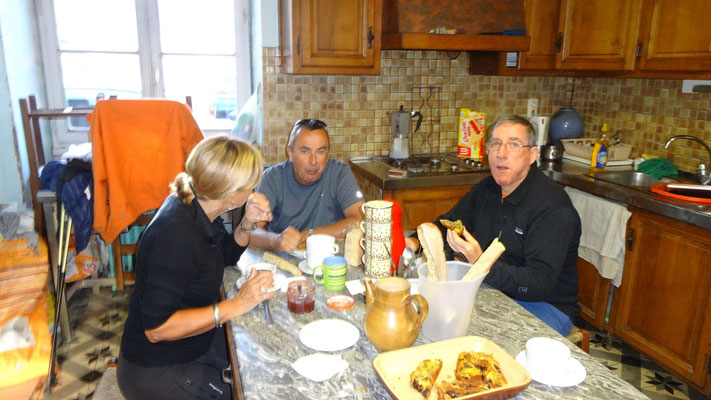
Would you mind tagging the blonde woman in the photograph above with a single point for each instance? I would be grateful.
(171, 347)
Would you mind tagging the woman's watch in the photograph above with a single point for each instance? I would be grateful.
(311, 231)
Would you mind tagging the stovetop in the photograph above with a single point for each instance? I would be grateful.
(435, 164)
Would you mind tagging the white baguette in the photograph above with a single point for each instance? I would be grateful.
(281, 263)
(433, 247)
(485, 261)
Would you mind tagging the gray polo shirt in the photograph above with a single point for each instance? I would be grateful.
(308, 206)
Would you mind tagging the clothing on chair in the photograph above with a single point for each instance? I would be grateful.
(139, 146)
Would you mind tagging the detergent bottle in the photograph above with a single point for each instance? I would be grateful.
(598, 160)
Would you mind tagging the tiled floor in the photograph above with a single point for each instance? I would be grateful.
(98, 322)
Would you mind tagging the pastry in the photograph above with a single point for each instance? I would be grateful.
(281, 263)
(425, 375)
(486, 260)
(456, 226)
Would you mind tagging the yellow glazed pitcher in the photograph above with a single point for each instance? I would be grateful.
(392, 317)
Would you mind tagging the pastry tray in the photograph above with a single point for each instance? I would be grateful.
(394, 367)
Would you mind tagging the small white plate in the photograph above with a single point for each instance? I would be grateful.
(280, 283)
(329, 335)
(575, 373)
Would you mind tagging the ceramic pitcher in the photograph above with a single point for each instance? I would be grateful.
(393, 317)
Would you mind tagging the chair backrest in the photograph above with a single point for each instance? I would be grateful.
(119, 250)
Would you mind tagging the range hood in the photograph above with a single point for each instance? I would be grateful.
(480, 25)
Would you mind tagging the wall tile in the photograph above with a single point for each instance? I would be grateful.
(648, 111)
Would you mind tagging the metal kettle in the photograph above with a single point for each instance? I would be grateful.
(400, 121)
(400, 127)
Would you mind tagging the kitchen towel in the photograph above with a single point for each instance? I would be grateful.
(604, 224)
(657, 168)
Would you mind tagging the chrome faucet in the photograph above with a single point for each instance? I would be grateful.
(702, 172)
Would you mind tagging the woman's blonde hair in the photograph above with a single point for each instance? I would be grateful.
(216, 167)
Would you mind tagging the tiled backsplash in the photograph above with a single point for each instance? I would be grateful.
(649, 111)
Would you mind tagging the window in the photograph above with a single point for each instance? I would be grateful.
(146, 48)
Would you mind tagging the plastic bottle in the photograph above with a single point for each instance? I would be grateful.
(598, 160)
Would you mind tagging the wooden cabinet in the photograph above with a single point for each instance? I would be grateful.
(663, 307)
(598, 35)
(675, 35)
(425, 204)
(594, 292)
(617, 38)
(330, 36)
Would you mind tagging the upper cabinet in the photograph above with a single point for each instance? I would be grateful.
(675, 36)
(330, 36)
(599, 35)
(621, 38)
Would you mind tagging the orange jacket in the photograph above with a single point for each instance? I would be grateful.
(138, 147)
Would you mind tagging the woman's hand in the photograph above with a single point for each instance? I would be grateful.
(253, 291)
(257, 210)
(466, 244)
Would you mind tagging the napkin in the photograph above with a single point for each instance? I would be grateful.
(320, 366)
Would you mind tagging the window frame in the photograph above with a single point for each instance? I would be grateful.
(149, 55)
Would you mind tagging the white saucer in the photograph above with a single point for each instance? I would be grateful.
(575, 373)
(304, 267)
(329, 335)
(280, 282)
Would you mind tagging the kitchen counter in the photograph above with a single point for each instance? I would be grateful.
(565, 172)
(265, 352)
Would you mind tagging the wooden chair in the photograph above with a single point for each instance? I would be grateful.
(119, 250)
(581, 338)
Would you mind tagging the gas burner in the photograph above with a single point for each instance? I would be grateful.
(415, 168)
(435, 161)
(397, 163)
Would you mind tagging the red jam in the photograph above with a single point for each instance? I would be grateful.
(301, 296)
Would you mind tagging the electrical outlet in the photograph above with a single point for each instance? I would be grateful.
(532, 108)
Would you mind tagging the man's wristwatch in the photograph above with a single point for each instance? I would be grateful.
(311, 231)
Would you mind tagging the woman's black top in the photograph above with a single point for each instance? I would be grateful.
(180, 262)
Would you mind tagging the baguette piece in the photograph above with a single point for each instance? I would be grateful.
(281, 263)
(485, 261)
(433, 246)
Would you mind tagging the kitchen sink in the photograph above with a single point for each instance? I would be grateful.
(629, 178)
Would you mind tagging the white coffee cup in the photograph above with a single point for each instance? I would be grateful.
(547, 356)
(319, 247)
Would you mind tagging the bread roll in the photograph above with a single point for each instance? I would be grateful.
(281, 263)
(433, 247)
(485, 261)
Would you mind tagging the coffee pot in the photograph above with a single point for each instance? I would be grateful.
(400, 127)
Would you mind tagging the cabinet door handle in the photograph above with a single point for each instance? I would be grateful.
(371, 37)
(298, 46)
(630, 240)
(559, 42)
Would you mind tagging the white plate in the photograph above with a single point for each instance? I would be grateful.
(329, 335)
(575, 373)
(280, 283)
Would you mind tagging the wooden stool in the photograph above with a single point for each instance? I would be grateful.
(581, 338)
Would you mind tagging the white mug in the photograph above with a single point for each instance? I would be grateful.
(547, 356)
(319, 247)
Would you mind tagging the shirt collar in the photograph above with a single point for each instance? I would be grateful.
(517, 196)
(213, 231)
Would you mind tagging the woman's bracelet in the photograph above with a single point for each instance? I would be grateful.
(216, 315)
(241, 227)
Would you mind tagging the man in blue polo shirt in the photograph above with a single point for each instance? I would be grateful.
(308, 193)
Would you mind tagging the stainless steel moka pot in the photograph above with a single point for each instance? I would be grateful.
(400, 127)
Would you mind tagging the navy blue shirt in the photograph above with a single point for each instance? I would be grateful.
(180, 263)
(541, 231)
